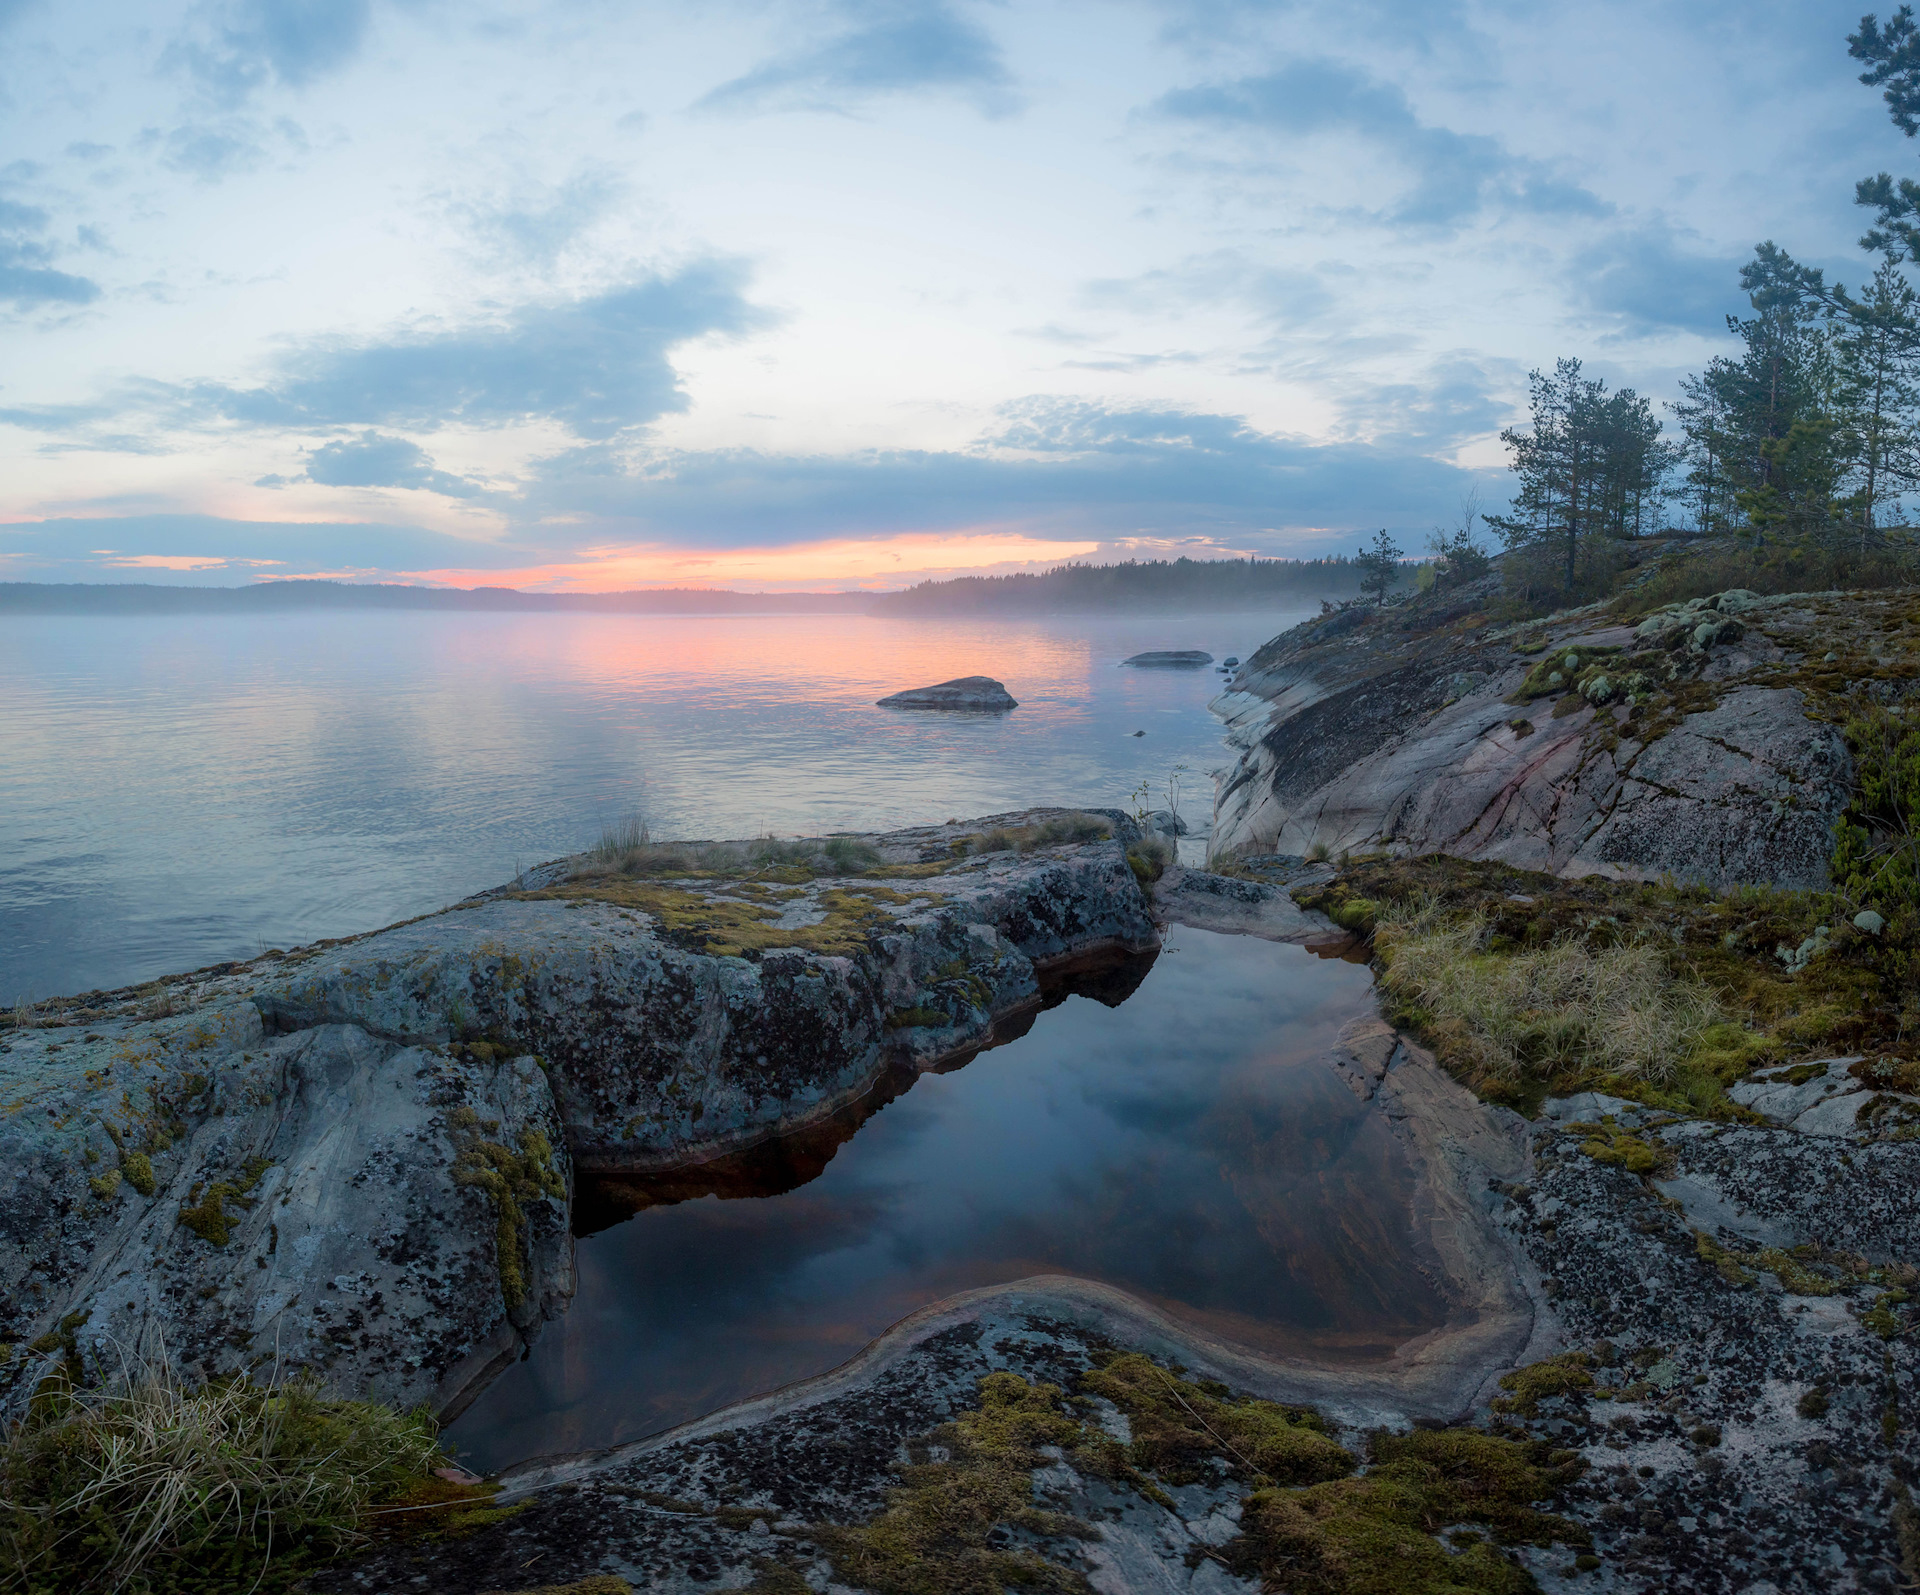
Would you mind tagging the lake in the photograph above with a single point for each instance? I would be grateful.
(180, 790)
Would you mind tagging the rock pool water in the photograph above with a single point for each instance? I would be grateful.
(1190, 1145)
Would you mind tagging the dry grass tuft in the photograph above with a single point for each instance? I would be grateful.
(151, 1485)
(1565, 1006)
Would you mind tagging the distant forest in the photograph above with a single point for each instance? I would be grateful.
(1145, 585)
(1154, 584)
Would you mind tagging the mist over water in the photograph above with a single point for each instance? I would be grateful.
(175, 791)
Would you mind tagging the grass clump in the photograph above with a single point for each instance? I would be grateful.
(1768, 569)
(1187, 1432)
(154, 1488)
(1061, 830)
(1149, 857)
(1617, 1009)
(951, 1526)
(1377, 1534)
(1526, 984)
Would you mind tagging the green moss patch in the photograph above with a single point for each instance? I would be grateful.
(510, 1178)
(735, 922)
(945, 1529)
(1378, 1534)
(1570, 1373)
(1186, 1432)
(205, 1212)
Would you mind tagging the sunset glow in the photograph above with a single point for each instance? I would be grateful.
(840, 563)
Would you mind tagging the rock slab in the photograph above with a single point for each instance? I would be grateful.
(963, 692)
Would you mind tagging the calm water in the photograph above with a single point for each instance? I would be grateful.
(179, 790)
(1190, 1146)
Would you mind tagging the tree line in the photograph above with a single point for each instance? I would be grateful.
(1803, 444)
(1133, 584)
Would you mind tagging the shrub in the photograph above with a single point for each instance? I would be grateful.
(1876, 856)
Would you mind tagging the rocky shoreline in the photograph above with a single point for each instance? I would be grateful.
(1689, 1331)
(358, 1158)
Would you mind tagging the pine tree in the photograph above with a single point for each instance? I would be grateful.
(1379, 565)
(1592, 466)
(1877, 358)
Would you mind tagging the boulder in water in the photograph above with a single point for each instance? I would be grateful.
(1171, 659)
(963, 692)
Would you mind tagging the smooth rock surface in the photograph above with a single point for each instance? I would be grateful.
(1354, 734)
(963, 692)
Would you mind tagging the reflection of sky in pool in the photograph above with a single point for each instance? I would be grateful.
(1190, 1146)
(180, 790)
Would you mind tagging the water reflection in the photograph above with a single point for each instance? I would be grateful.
(1191, 1147)
(180, 790)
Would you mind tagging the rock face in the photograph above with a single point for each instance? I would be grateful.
(1171, 659)
(1683, 746)
(359, 1158)
(963, 692)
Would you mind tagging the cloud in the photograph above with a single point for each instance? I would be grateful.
(1459, 398)
(1643, 280)
(374, 459)
(1283, 295)
(1453, 175)
(241, 46)
(202, 548)
(596, 365)
(208, 150)
(1051, 466)
(27, 280)
(536, 227)
(893, 45)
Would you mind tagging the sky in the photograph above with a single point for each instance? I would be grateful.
(584, 295)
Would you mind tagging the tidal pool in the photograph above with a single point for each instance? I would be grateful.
(1188, 1144)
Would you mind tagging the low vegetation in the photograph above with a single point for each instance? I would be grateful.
(1525, 984)
(1059, 831)
(628, 850)
(1618, 1007)
(154, 1487)
(1424, 1514)
(964, 1502)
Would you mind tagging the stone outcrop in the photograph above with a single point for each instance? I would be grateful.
(359, 1158)
(963, 692)
(1170, 659)
(1699, 743)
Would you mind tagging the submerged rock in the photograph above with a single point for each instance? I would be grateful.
(359, 1158)
(1171, 659)
(963, 692)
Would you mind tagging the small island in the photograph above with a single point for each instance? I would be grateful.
(963, 692)
(1171, 659)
